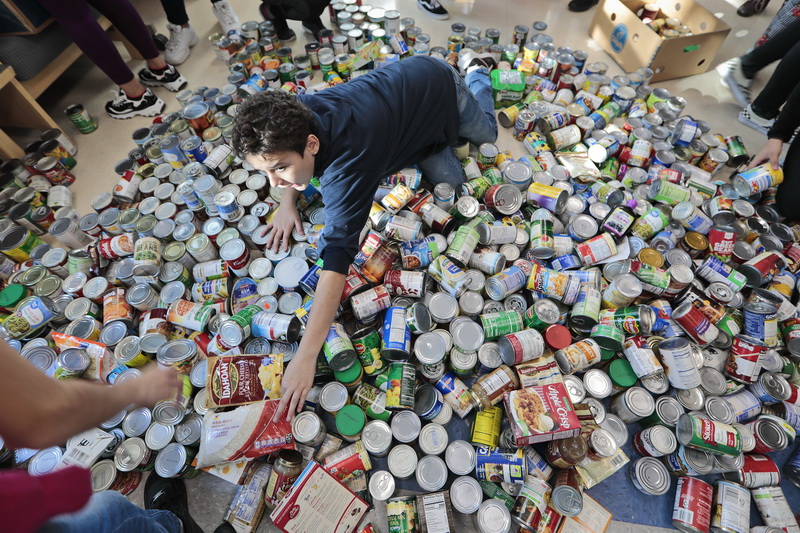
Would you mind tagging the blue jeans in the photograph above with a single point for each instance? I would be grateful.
(478, 124)
(111, 512)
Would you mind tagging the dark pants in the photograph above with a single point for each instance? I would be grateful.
(788, 198)
(784, 46)
(79, 23)
(312, 11)
(176, 11)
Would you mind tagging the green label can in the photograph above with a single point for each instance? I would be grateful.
(368, 349)
(502, 323)
(402, 514)
(401, 386)
(708, 435)
(81, 118)
(372, 400)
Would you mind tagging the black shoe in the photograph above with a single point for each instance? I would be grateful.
(473, 59)
(225, 528)
(581, 5)
(168, 77)
(752, 7)
(123, 106)
(313, 27)
(434, 9)
(169, 495)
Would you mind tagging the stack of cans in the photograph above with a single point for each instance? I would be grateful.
(613, 276)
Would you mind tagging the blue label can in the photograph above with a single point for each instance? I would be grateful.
(761, 322)
(310, 279)
(396, 337)
(499, 466)
(194, 149)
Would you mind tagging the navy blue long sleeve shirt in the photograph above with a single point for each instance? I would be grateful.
(369, 128)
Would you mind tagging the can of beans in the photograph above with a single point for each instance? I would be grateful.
(190, 315)
(744, 363)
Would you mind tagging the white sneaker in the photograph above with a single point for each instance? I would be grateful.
(226, 16)
(748, 117)
(732, 76)
(471, 60)
(180, 41)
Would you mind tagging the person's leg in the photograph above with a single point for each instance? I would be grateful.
(276, 14)
(783, 81)
(443, 167)
(475, 108)
(127, 20)
(111, 512)
(176, 12)
(773, 50)
(788, 198)
(313, 23)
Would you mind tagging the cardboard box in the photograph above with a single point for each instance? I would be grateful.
(541, 413)
(632, 44)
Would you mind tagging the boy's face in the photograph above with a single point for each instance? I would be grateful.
(288, 169)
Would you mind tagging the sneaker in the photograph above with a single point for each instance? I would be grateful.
(226, 16)
(123, 106)
(752, 7)
(748, 117)
(579, 6)
(287, 35)
(434, 9)
(732, 76)
(169, 77)
(170, 495)
(313, 27)
(471, 60)
(180, 41)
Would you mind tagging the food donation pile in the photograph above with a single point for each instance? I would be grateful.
(624, 279)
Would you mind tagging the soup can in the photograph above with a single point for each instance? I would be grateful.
(691, 511)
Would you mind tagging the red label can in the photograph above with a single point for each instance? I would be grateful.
(692, 509)
(720, 242)
(758, 471)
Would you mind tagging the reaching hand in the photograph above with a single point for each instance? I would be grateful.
(286, 219)
(770, 152)
(155, 384)
(297, 380)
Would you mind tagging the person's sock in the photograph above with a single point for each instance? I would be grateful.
(136, 97)
(162, 69)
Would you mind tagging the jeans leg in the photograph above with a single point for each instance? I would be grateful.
(475, 108)
(773, 50)
(111, 512)
(443, 167)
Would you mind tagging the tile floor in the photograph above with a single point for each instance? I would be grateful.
(85, 84)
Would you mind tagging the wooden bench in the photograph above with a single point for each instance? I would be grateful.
(18, 105)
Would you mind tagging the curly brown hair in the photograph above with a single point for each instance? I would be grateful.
(271, 122)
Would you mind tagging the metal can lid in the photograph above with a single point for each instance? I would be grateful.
(350, 420)
(444, 416)
(137, 421)
(232, 250)
(470, 302)
(114, 421)
(130, 454)
(770, 431)
(168, 412)
(376, 436)
(775, 385)
(198, 373)
(74, 359)
(663, 439)
(127, 349)
(650, 476)
(691, 399)
(402, 461)
(584, 226)
(199, 403)
(575, 388)
(466, 494)
(103, 473)
(460, 457)
(433, 439)
(171, 460)
(112, 334)
(189, 431)
(656, 384)
(597, 408)
(489, 355)
(431, 473)
(603, 442)
(669, 410)
(77, 308)
(176, 351)
(289, 272)
(443, 307)
(463, 361)
(494, 517)
(333, 396)
(597, 383)
(639, 401)
(45, 461)
(406, 426)
(260, 268)
(306, 426)
(159, 435)
(468, 336)
(429, 348)
(614, 425)
(712, 381)
(381, 485)
(290, 302)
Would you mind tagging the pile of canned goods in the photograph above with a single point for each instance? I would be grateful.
(609, 286)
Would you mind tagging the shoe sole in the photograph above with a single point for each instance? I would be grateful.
(434, 15)
(170, 86)
(140, 113)
(758, 127)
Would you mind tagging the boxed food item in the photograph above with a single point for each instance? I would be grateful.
(632, 43)
(248, 505)
(541, 413)
(594, 518)
(508, 87)
(243, 379)
(318, 502)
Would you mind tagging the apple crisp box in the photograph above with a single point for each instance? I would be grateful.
(541, 413)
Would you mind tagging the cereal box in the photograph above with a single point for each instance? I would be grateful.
(541, 413)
